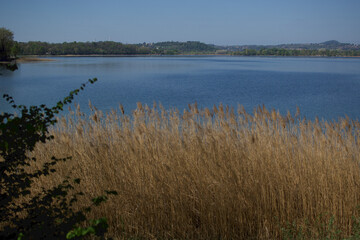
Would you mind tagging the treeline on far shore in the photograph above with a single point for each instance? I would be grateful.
(80, 48)
(297, 52)
(164, 48)
(113, 48)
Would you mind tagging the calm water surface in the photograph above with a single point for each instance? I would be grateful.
(324, 87)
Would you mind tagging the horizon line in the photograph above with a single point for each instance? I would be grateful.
(222, 45)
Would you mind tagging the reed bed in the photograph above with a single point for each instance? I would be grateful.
(211, 173)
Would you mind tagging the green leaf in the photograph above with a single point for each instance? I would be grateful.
(21, 235)
(80, 232)
(99, 200)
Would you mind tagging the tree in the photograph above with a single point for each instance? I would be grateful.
(6, 43)
(15, 49)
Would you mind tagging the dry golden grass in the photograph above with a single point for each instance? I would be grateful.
(210, 174)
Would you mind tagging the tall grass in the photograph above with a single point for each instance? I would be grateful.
(213, 173)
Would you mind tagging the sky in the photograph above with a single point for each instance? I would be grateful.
(220, 22)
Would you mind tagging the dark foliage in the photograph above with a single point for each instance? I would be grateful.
(183, 47)
(8, 66)
(81, 48)
(330, 48)
(6, 44)
(112, 48)
(49, 214)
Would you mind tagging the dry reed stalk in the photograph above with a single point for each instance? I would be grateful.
(210, 174)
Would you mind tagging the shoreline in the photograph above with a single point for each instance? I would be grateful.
(49, 58)
(33, 58)
(27, 60)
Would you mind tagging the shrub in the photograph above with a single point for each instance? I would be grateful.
(48, 214)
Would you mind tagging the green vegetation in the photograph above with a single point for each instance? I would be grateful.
(327, 229)
(326, 49)
(176, 48)
(189, 47)
(7, 46)
(330, 45)
(80, 48)
(294, 52)
(44, 213)
(113, 48)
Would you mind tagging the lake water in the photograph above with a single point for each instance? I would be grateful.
(324, 87)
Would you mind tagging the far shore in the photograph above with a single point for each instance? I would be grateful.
(33, 59)
(48, 57)
(28, 59)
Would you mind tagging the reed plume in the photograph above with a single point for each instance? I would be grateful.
(211, 173)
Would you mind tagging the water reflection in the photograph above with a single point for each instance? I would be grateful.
(5, 67)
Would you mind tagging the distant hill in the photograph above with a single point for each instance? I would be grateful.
(183, 47)
(328, 45)
(332, 43)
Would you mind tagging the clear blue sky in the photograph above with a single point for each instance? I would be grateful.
(223, 22)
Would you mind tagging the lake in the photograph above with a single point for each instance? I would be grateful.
(325, 87)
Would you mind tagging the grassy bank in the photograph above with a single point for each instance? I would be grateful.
(213, 174)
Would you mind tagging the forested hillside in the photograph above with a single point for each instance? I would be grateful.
(183, 47)
(329, 48)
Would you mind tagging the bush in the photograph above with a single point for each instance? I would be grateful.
(45, 215)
